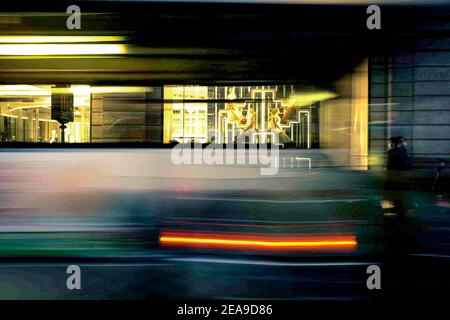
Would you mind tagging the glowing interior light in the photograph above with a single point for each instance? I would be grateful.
(30, 107)
(308, 98)
(59, 39)
(119, 89)
(22, 90)
(310, 242)
(60, 49)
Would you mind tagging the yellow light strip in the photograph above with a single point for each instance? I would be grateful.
(60, 49)
(119, 89)
(59, 39)
(22, 90)
(23, 93)
(29, 107)
(26, 118)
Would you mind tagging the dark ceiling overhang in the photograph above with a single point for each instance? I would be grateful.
(217, 42)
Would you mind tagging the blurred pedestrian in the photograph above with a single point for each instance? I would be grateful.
(397, 155)
(400, 229)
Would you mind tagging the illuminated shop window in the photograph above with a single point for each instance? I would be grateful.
(26, 115)
(185, 115)
(224, 114)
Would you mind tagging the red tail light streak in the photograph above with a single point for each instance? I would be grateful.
(227, 241)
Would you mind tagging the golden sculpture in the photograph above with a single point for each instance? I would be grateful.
(234, 112)
(275, 122)
(250, 120)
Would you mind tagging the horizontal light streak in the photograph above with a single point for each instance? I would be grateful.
(60, 49)
(30, 107)
(259, 243)
(86, 90)
(59, 39)
(21, 90)
(77, 90)
(26, 118)
(228, 241)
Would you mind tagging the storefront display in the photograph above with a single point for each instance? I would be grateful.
(222, 114)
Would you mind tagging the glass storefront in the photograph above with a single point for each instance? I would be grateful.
(172, 113)
(224, 114)
(185, 118)
(289, 115)
(26, 115)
